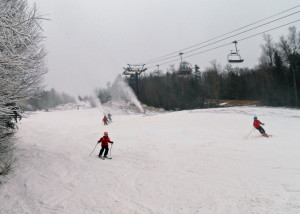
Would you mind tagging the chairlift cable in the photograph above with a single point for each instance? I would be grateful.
(225, 38)
(149, 61)
(268, 30)
(239, 40)
(246, 30)
(243, 27)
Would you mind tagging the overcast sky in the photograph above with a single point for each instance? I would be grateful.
(90, 41)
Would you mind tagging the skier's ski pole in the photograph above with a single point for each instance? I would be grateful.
(250, 132)
(110, 149)
(94, 149)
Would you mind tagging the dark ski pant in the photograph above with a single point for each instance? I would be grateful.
(261, 130)
(102, 150)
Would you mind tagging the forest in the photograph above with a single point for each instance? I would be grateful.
(49, 99)
(275, 81)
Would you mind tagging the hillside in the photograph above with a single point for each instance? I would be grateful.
(198, 161)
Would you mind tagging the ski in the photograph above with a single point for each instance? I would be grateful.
(103, 158)
(267, 135)
(108, 158)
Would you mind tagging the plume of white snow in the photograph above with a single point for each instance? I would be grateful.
(121, 91)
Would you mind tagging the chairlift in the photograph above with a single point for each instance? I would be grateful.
(185, 68)
(235, 57)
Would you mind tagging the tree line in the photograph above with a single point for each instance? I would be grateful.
(49, 99)
(274, 82)
(22, 68)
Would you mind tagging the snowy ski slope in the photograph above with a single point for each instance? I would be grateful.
(187, 162)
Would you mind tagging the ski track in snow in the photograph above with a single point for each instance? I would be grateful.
(197, 161)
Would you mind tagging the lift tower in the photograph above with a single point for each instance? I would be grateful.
(133, 71)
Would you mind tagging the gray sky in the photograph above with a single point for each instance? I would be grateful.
(90, 41)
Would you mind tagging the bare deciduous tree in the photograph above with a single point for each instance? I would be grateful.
(268, 52)
(290, 52)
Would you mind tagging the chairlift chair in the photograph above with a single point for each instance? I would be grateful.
(235, 57)
(185, 68)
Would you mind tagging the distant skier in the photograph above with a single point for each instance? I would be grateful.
(109, 117)
(105, 120)
(104, 145)
(257, 124)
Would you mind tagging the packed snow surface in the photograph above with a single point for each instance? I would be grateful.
(188, 162)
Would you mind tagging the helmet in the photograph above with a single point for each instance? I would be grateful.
(105, 133)
(255, 117)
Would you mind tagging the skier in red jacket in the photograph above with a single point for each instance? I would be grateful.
(257, 124)
(104, 145)
(105, 120)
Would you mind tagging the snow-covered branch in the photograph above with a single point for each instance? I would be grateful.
(22, 65)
